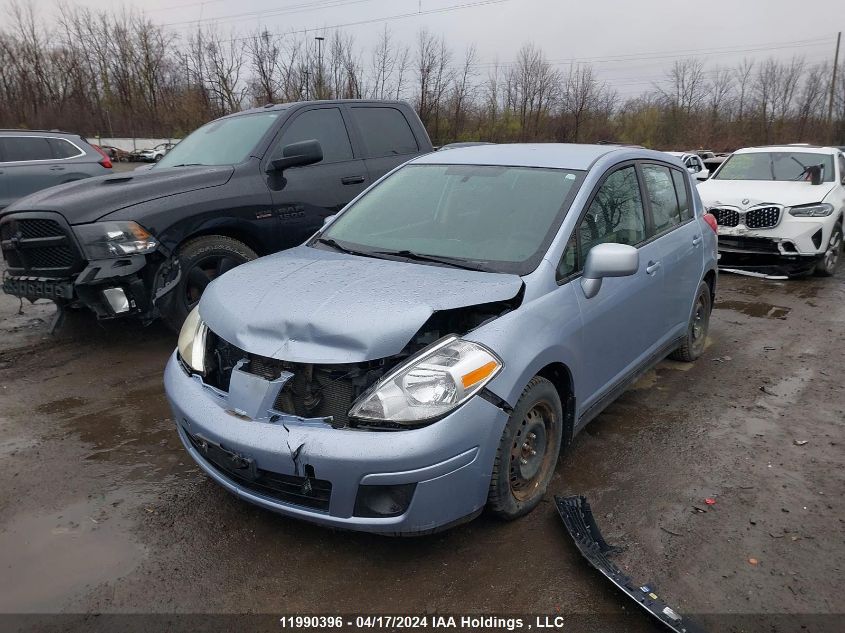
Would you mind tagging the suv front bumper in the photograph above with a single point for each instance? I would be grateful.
(448, 464)
(793, 247)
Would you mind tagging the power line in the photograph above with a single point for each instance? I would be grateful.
(298, 8)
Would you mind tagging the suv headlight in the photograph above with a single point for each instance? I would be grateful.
(191, 344)
(434, 382)
(103, 240)
(812, 210)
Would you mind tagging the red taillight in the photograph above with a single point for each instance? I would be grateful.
(711, 222)
(106, 162)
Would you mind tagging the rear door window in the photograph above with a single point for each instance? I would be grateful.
(385, 131)
(324, 125)
(26, 148)
(660, 188)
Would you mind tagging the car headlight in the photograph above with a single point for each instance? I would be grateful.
(103, 240)
(191, 344)
(812, 210)
(437, 380)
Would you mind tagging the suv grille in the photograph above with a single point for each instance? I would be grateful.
(762, 217)
(726, 217)
(38, 245)
(301, 491)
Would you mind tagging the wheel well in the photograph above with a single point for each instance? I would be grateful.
(560, 376)
(235, 234)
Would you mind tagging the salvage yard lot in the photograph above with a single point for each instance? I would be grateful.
(102, 511)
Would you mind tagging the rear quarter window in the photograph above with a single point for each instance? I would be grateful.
(385, 131)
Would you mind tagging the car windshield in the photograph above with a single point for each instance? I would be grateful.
(775, 166)
(221, 142)
(490, 218)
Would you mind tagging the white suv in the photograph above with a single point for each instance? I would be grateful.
(779, 209)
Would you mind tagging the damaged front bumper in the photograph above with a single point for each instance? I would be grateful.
(792, 248)
(405, 482)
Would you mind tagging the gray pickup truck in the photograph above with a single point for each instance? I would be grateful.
(147, 243)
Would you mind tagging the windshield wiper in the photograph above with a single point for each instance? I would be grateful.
(349, 251)
(454, 262)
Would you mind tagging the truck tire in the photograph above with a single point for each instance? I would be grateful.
(830, 260)
(201, 261)
(528, 451)
(693, 344)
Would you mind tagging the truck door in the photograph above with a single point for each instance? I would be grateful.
(386, 136)
(304, 196)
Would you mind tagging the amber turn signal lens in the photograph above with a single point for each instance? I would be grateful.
(477, 375)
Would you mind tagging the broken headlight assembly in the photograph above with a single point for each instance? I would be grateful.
(104, 240)
(429, 385)
(820, 210)
(192, 340)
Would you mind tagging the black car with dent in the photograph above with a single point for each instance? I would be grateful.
(146, 243)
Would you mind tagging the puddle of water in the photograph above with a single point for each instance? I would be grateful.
(755, 309)
(49, 558)
(61, 406)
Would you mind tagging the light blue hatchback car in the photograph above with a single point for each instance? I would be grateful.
(433, 348)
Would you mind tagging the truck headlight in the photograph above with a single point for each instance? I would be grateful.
(434, 382)
(192, 339)
(812, 210)
(103, 240)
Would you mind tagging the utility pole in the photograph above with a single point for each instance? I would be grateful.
(319, 80)
(833, 78)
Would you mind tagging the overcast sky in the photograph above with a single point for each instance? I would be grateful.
(631, 43)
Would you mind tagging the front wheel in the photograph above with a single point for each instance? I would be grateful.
(830, 260)
(202, 260)
(528, 451)
(693, 345)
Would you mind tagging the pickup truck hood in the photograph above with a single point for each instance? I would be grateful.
(787, 193)
(91, 199)
(312, 306)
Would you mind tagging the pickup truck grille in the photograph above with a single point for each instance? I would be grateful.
(39, 245)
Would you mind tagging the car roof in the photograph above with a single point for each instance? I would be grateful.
(549, 155)
(286, 106)
(809, 149)
(57, 133)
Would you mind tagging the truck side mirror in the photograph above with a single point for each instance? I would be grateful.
(298, 155)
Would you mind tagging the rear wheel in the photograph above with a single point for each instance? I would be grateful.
(528, 451)
(202, 260)
(693, 345)
(830, 260)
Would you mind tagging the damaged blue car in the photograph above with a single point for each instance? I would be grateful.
(436, 345)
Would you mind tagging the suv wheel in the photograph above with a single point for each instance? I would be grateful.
(201, 260)
(693, 345)
(528, 451)
(157, 158)
(830, 260)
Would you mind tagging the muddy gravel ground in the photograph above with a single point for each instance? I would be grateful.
(101, 511)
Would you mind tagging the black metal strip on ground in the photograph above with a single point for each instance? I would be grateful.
(578, 519)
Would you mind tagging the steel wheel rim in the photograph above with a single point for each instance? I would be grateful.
(531, 451)
(700, 321)
(203, 272)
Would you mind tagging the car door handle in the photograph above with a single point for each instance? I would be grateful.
(696, 240)
(57, 168)
(352, 180)
(652, 268)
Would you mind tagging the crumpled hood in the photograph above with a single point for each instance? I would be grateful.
(312, 306)
(787, 193)
(88, 200)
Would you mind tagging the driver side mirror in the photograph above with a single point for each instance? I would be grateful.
(704, 174)
(608, 260)
(298, 155)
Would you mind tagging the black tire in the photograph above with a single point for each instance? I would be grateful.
(157, 158)
(830, 260)
(693, 346)
(521, 473)
(201, 260)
